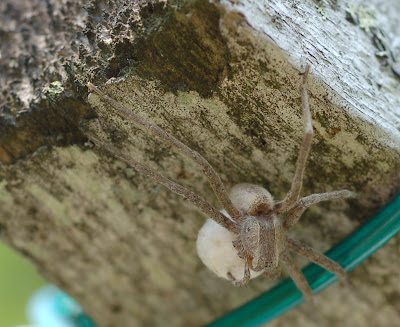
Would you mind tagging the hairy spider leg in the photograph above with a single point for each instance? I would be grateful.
(318, 258)
(294, 193)
(301, 283)
(326, 263)
(295, 213)
(211, 175)
(297, 275)
(190, 196)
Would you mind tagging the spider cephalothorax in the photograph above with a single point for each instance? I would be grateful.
(260, 234)
(259, 241)
(250, 235)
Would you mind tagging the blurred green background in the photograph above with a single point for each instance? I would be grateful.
(18, 281)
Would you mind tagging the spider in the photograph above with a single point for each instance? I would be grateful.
(251, 215)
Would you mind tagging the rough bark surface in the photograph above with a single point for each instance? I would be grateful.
(224, 79)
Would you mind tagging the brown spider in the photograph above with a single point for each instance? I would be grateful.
(261, 236)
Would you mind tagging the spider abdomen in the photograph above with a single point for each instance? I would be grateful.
(251, 199)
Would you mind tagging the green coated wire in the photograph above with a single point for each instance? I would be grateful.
(349, 253)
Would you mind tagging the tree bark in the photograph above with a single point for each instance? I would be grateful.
(224, 79)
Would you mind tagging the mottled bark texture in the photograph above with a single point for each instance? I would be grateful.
(215, 78)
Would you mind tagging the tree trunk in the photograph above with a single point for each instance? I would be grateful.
(224, 79)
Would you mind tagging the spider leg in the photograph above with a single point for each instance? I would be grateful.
(319, 259)
(245, 278)
(208, 170)
(298, 278)
(192, 197)
(294, 193)
(326, 263)
(295, 213)
(297, 275)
